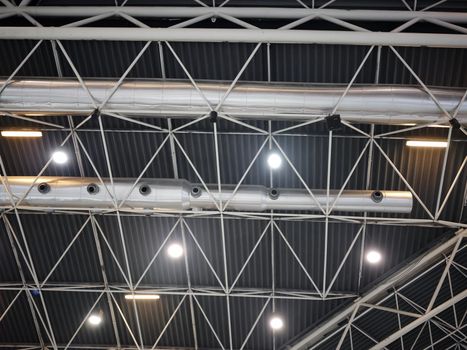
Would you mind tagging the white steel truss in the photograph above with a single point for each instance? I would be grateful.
(362, 304)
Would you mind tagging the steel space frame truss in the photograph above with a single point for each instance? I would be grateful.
(358, 35)
(225, 288)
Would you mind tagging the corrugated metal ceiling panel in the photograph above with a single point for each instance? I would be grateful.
(48, 235)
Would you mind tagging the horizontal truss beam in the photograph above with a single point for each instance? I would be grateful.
(236, 35)
(283, 294)
(214, 214)
(239, 12)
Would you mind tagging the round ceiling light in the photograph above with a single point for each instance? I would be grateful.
(175, 250)
(60, 157)
(274, 161)
(373, 257)
(95, 319)
(276, 322)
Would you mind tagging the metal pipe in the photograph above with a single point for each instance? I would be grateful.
(239, 12)
(236, 35)
(376, 104)
(172, 194)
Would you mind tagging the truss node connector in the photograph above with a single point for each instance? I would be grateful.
(333, 122)
(213, 116)
(455, 123)
(96, 113)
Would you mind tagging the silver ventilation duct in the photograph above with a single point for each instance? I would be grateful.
(171, 194)
(375, 104)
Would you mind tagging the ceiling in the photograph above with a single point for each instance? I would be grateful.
(92, 259)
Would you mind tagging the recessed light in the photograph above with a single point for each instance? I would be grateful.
(175, 250)
(373, 257)
(276, 322)
(60, 157)
(142, 297)
(431, 144)
(274, 161)
(95, 319)
(21, 133)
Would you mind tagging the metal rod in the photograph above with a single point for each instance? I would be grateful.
(83, 226)
(443, 275)
(203, 254)
(237, 35)
(454, 182)
(209, 323)
(391, 163)
(346, 329)
(255, 323)
(395, 311)
(249, 256)
(234, 11)
(344, 259)
(84, 320)
(420, 320)
(10, 304)
(104, 277)
(188, 278)
(297, 259)
(157, 252)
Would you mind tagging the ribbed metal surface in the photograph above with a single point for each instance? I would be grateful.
(49, 234)
(17, 326)
(331, 64)
(8, 267)
(147, 235)
(388, 4)
(129, 152)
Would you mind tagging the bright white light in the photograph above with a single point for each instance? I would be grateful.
(142, 297)
(276, 323)
(435, 144)
(175, 250)
(373, 257)
(60, 157)
(95, 319)
(439, 126)
(274, 161)
(430, 126)
(21, 133)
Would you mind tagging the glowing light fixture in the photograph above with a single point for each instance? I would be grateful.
(95, 319)
(60, 157)
(430, 126)
(21, 133)
(439, 126)
(175, 250)
(373, 257)
(276, 322)
(430, 144)
(142, 297)
(274, 161)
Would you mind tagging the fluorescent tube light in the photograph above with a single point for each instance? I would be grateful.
(433, 144)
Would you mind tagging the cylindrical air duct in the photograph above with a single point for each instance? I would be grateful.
(375, 104)
(171, 194)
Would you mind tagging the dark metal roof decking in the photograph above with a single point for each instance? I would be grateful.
(329, 64)
(130, 146)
